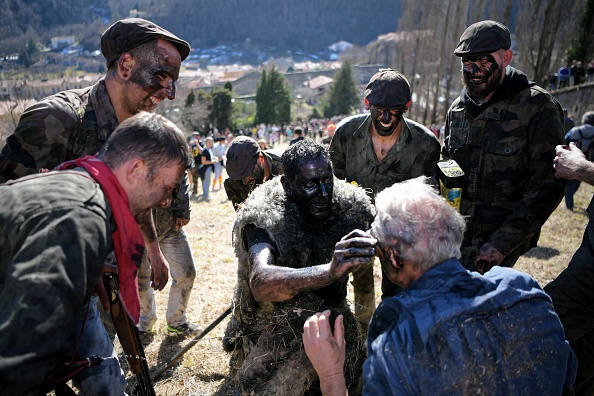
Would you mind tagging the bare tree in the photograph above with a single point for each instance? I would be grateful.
(543, 31)
(14, 99)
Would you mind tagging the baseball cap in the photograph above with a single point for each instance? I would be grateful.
(388, 88)
(242, 156)
(483, 37)
(129, 33)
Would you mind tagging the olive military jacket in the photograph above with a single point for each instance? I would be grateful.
(61, 127)
(506, 150)
(414, 154)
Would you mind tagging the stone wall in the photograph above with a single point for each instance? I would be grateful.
(577, 99)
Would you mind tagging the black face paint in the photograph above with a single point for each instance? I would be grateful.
(150, 76)
(480, 81)
(486, 72)
(378, 117)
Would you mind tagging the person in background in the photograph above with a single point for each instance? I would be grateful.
(208, 160)
(196, 148)
(298, 135)
(564, 73)
(248, 166)
(219, 150)
(330, 130)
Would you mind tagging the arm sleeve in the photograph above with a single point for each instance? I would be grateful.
(337, 153)
(543, 192)
(51, 273)
(253, 235)
(180, 208)
(40, 140)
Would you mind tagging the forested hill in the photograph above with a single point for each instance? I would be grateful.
(285, 24)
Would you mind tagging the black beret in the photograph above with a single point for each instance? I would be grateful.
(129, 33)
(483, 37)
(388, 88)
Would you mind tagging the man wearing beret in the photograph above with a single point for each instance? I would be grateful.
(248, 166)
(143, 62)
(502, 131)
(379, 149)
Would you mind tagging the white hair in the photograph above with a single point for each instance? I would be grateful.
(422, 226)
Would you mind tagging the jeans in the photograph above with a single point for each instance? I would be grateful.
(176, 249)
(570, 189)
(107, 378)
(206, 182)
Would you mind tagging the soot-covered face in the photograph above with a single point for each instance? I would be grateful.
(312, 188)
(481, 76)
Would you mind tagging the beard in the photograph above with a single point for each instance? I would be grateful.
(480, 87)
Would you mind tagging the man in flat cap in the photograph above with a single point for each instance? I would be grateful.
(143, 62)
(379, 149)
(248, 166)
(502, 131)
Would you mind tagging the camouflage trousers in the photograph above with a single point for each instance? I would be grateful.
(176, 249)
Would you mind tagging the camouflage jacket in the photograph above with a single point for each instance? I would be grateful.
(506, 150)
(237, 192)
(415, 154)
(65, 126)
(59, 128)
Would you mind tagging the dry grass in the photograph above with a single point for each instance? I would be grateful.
(204, 368)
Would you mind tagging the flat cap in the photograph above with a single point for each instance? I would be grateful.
(388, 88)
(483, 37)
(129, 33)
(242, 156)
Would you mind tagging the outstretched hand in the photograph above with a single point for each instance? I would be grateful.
(353, 251)
(326, 351)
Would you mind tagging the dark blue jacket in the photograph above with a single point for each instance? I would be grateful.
(458, 332)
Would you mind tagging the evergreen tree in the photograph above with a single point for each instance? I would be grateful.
(273, 99)
(222, 109)
(190, 99)
(342, 96)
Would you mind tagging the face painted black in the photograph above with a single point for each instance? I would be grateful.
(313, 188)
(481, 76)
(153, 75)
(379, 116)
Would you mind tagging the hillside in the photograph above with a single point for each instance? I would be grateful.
(306, 25)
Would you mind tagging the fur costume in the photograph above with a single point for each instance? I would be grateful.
(268, 356)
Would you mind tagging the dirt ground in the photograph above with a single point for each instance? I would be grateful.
(203, 370)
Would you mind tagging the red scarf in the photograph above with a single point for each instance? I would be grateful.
(127, 239)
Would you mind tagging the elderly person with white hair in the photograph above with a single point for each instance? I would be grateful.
(451, 331)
